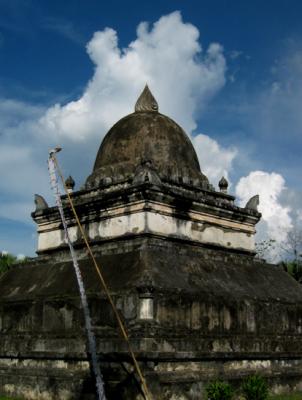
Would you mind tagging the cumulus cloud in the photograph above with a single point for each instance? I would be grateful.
(269, 186)
(168, 56)
(182, 76)
(215, 160)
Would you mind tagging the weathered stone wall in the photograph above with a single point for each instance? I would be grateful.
(45, 379)
(57, 379)
(159, 220)
(215, 314)
(202, 217)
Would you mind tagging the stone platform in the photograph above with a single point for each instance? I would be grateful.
(214, 314)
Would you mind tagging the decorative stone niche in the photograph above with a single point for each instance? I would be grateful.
(145, 303)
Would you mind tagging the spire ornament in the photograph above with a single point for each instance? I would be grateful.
(146, 101)
(223, 185)
(70, 183)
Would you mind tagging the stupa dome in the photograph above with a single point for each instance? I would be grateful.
(146, 137)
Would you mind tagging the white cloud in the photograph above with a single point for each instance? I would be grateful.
(168, 56)
(15, 115)
(64, 28)
(269, 186)
(20, 257)
(299, 215)
(234, 54)
(215, 160)
(181, 75)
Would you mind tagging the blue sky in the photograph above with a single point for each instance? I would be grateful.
(229, 71)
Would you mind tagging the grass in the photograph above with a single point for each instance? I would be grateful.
(294, 396)
(7, 398)
(297, 396)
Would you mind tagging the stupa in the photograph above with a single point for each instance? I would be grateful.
(179, 259)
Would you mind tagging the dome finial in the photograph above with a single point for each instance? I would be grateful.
(146, 101)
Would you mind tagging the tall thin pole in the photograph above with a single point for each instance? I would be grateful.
(123, 330)
(88, 325)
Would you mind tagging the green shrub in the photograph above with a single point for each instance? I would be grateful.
(219, 390)
(254, 387)
(8, 261)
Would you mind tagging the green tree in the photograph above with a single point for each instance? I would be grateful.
(8, 261)
(264, 248)
(294, 268)
(292, 250)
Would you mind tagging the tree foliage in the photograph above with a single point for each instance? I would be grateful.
(294, 268)
(219, 390)
(254, 387)
(264, 248)
(290, 252)
(8, 261)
